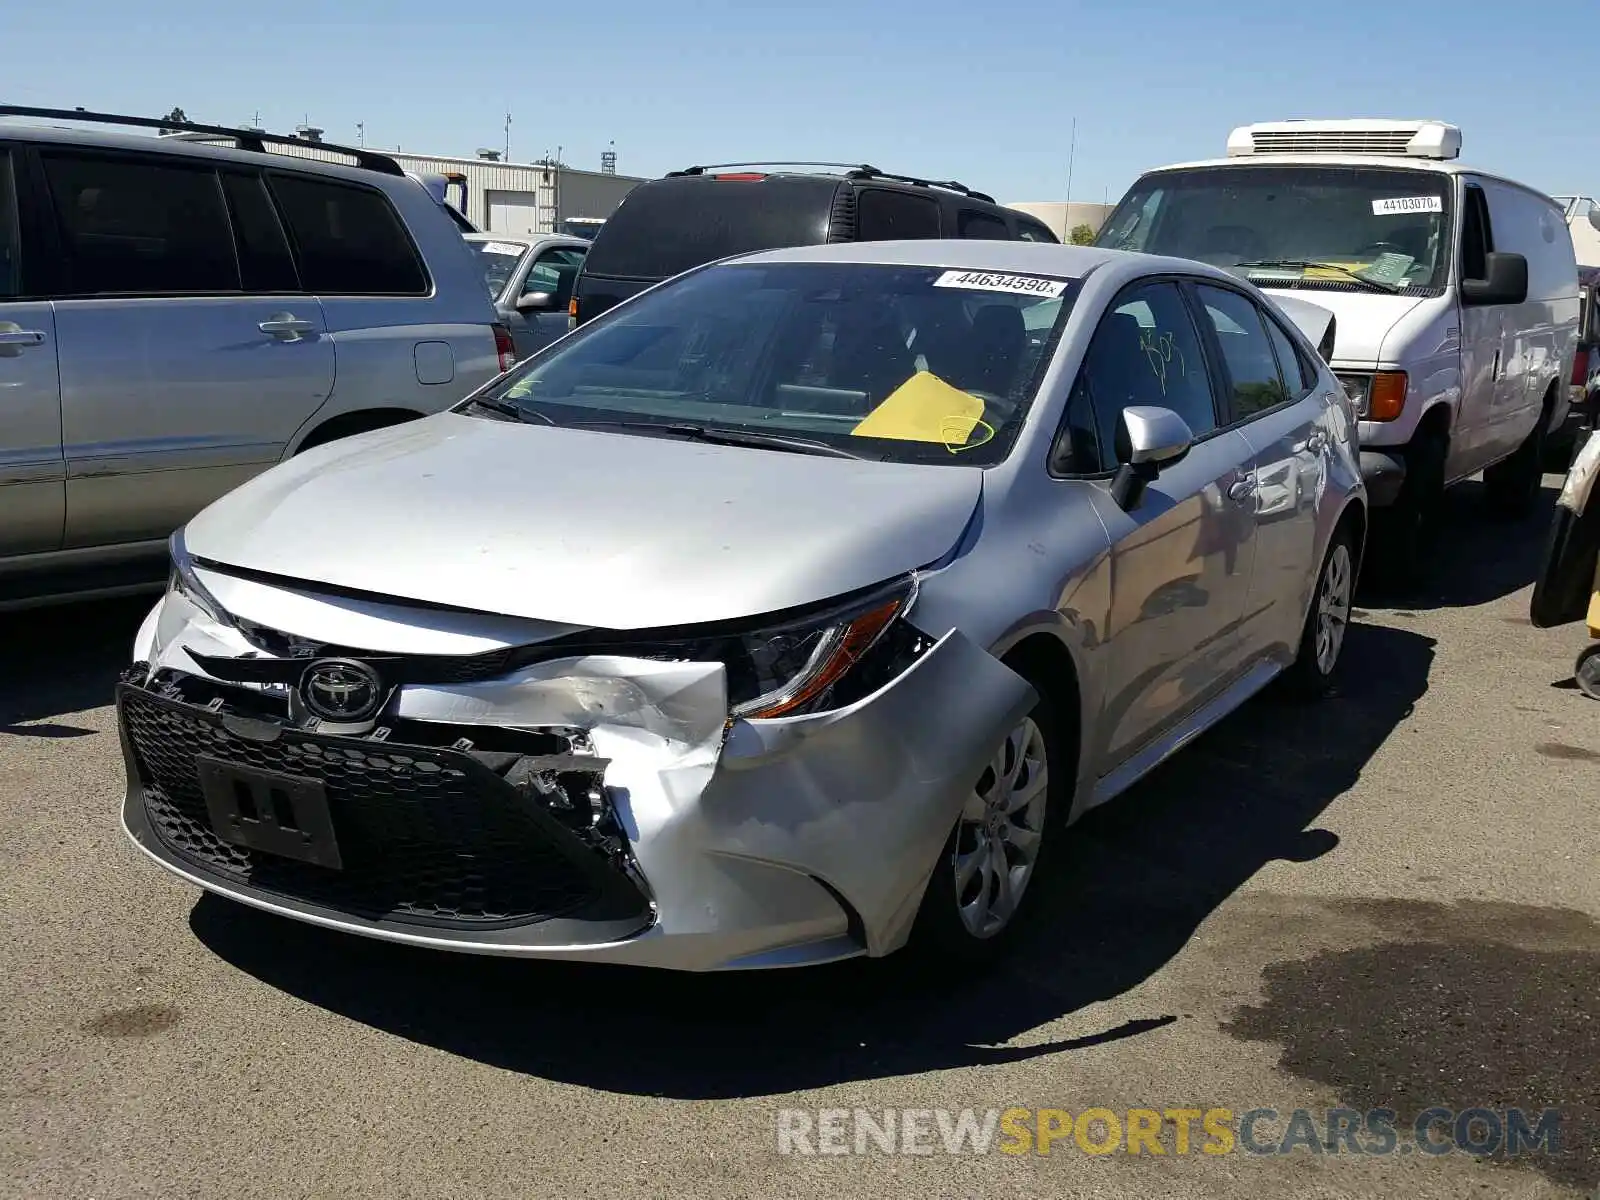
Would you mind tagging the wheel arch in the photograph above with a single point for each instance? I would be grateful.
(347, 424)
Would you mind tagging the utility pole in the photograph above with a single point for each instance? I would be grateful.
(1072, 153)
(361, 133)
(507, 155)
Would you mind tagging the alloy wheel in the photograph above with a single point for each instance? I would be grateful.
(1333, 606)
(1001, 829)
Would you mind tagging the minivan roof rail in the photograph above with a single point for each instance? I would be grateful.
(246, 139)
(851, 171)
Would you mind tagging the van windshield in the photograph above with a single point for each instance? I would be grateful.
(898, 363)
(1326, 227)
(669, 226)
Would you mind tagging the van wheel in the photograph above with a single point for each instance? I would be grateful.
(1513, 483)
(1405, 536)
(987, 880)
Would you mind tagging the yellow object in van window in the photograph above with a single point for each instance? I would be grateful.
(924, 409)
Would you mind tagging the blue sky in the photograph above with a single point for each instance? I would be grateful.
(984, 93)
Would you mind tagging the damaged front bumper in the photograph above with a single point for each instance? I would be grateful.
(603, 809)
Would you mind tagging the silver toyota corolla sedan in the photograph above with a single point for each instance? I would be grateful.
(786, 613)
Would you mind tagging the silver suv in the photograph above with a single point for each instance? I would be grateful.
(176, 317)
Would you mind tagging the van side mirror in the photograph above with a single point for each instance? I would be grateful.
(1594, 215)
(1157, 438)
(535, 302)
(1505, 282)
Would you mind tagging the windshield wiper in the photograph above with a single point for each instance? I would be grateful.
(723, 437)
(509, 408)
(1306, 264)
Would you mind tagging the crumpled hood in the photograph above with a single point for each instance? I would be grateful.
(1364, 318)
(584, 527)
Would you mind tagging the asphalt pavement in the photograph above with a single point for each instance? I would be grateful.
(1385, 901)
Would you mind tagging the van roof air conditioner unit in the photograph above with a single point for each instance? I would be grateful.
(1394, 139)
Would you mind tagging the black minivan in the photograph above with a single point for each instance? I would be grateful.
(692, 217)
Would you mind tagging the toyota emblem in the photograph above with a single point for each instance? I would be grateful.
(341, 689)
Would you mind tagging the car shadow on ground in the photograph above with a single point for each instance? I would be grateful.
(64, 659)
(1135, 880)
(1480, 557)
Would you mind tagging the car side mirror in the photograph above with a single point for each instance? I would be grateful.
(1157, 438)
(536, 302)
(1505, 281)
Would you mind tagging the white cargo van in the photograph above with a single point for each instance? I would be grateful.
(1454, 291)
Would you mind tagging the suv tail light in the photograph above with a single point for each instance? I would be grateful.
(505, 348)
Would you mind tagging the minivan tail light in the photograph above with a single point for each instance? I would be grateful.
(505, 348)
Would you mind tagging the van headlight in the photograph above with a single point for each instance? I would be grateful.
(1358, 388)
(182, 580)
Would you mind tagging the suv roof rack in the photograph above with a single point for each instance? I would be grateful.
(851, 171)
(246, 139)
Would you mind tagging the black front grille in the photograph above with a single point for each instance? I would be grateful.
(427, 836)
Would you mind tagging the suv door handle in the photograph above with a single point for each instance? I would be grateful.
(286, 326)
(1242, 490)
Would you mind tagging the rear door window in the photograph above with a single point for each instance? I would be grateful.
(348, 239)
(133, 226)
(1247, 351)
(984, 226)
(10, 233)
(265, 264)
(883, 215)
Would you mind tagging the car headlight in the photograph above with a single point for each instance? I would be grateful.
(183, 581)
(824, 659)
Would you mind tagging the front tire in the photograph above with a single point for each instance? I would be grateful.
(1405, 536)
(986, 883)
(1322, 639)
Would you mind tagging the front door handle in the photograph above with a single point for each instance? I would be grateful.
(14, 339)
(1241, 491)
(286, 326)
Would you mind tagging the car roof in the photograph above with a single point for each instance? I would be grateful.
(29, 131)
(969, 254)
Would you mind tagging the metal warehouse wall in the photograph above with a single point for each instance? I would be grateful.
(559, 193)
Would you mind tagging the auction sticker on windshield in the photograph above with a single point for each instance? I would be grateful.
(1396, 205)
(1016, 285)
(502, 248)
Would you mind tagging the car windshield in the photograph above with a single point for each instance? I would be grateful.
(1297, 226)
(887, 362)
(499, 260)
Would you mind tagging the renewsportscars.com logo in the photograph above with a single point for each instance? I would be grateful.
(1173, 1131)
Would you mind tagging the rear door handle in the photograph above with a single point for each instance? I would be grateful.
(286, 326)
(1242, 490)
(1316, 442)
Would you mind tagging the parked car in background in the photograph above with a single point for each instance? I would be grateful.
(530, 281)
(1585, 410)
(1455, 293)
(786, 613)
(696, 216)
(175, 317)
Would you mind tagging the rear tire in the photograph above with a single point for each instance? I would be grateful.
(1586, 672)
(1315, 668)
(1405, 536)
(1513, 483)
(964, 918)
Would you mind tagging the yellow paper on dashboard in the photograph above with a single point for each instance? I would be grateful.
(924, 409)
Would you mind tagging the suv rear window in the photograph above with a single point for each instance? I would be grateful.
(883, 215)
(670, 226)
(349, 240)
